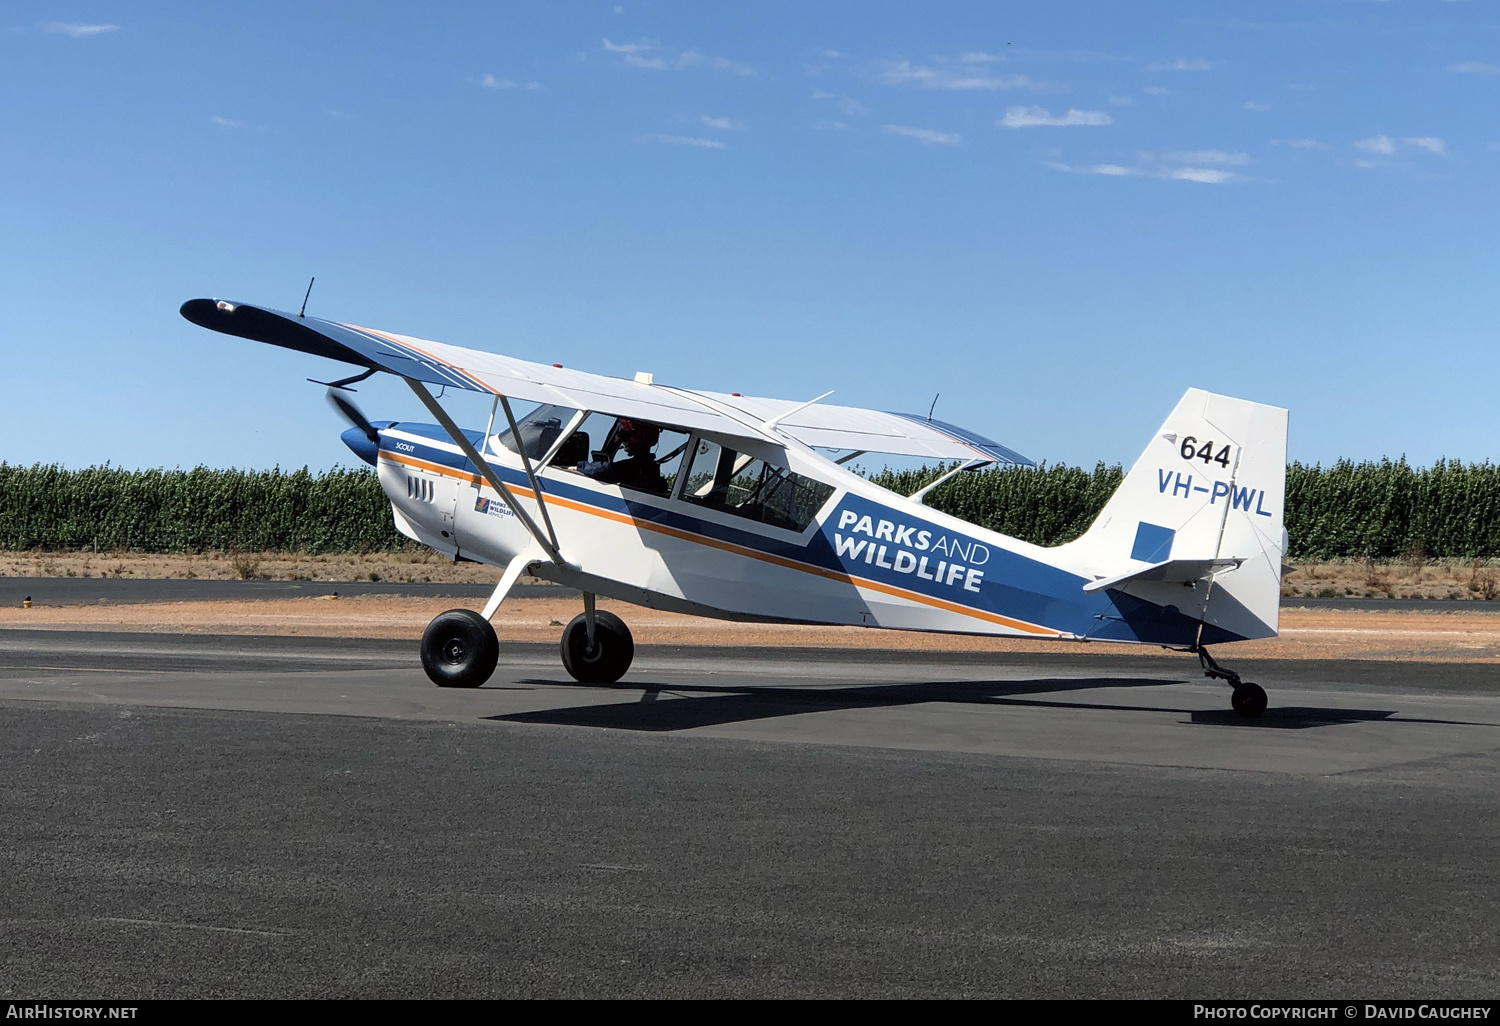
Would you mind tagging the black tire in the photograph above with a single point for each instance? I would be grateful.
(614, 649)
(459, 649)
(1249, 700)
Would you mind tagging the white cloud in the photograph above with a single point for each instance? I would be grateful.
(1301, 144)
(1384, 146)
(646, 55)
(1122, 101)
(1149, 167)
(1476, 68)
(1207, 175)
(1252, 105)
(926, 135)
(70, 29)
(724, 123)
(829, 126)
(226, 122)
(1027, 117)
(694, 59)
(1155, 91)
(943, 77)
(491, 82)
(635, 55)
(1430, 143)
(1210, 157)
(1181, 65)
(845, 105)
(1381, 144)
(977, 57)
(688, 140)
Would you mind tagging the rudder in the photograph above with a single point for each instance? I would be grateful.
(1208, 492)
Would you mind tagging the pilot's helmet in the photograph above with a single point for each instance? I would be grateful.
(642, 433)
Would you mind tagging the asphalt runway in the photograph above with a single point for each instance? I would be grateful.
(75, 591)
(288, 817)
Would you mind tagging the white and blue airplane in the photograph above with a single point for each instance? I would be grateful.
(728, 506)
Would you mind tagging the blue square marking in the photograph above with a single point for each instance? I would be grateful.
(1152, 544)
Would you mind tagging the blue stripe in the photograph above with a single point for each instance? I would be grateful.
(438, 434)
(1011, 585)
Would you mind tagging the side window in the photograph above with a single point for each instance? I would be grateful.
(587, 444)
(745, 486)
(671, 451)
(630, 453)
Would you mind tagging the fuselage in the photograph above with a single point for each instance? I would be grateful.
(868, 557)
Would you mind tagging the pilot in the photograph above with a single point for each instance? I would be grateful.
(637, 468)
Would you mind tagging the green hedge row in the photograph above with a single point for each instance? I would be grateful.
(200, 510)
(1381, 510)
(1046, 506)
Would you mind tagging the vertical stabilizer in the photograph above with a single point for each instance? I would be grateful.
(1210, 486)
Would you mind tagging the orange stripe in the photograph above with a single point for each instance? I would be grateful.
(741, 550)
(436, 359)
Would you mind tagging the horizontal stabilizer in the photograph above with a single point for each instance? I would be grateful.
(1168, 571)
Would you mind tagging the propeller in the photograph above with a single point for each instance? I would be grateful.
(354, 416)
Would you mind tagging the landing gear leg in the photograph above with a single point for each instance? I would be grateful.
(459, 647)
(597, 647)
(1249, 699)
(513, 571)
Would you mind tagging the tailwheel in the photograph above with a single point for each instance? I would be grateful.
(609, 657)
(1249, 700)
(459, 649)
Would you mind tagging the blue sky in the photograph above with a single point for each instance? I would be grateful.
(1058, 216)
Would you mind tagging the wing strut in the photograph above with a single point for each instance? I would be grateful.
(920, 495)
(541, 502)
(486, 470)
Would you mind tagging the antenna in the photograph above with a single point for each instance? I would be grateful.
(309, 292)
(929, 409)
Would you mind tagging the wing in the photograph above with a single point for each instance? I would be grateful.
(829, 427)
(439, 364)
(848, 427)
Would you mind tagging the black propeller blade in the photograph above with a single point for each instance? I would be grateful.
(353, 415)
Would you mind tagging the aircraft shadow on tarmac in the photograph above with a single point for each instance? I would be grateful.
(681, 710)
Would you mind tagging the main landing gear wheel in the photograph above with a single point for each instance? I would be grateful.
(1249, 700)
(459, 649)
(610, 657)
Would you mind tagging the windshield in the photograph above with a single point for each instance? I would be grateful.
(539, 430)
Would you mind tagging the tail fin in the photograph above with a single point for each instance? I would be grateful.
(1197, 523)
